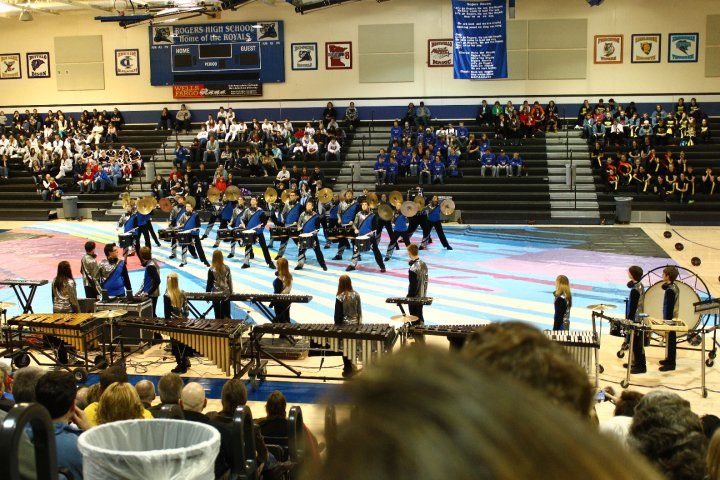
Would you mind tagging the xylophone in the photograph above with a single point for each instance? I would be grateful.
(79, 330)
(258, 299)
(25, 299)
(373, 340)
(218, 340)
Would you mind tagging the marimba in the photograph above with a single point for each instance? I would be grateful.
(25, 299)
(220, 341)
(80, 331)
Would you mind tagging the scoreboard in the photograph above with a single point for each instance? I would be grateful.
(217, 52)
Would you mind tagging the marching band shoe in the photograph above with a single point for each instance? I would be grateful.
(350, 268)
(664, 362)
(324, 268)
(182, 265)
(278, 257)
(172, 256)
(387, 259)
(231, 255)
(271, 266)
(207, 264)
(337, 257)
(203, 237)
(216, 245)
(195, 257)
(157, 245)
(298, 267)
(327, 246)
(245, 265)
(382, 270)
(449, 247)
(667, 367)
(637, 369)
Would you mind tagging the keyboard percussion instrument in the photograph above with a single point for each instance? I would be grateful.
(24, 298)
(261, 301)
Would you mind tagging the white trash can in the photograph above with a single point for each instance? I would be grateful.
(158, 449)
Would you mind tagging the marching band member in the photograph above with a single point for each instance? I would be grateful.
(129, 223)
(282, 285)
(330, 218)
(417, 286)
(633, 307)
(113, 273)
(254, 218)
(348, 311)
(434, 220)
(151, 279)
(219, 280)
(384, 224)
(225, 215)
(176, 214)
(345, 216)
(400, 231)
(671, 308)
(90, 271)
(146, 229)
(563, 303)
(236, 222)
(290, 215)
(364, 225)
(192, 224)
(175, 305)
(309, 223)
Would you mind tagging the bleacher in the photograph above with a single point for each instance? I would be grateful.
(704, 211)
(19, 199)
(523, 199)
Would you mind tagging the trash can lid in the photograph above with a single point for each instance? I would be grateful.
(623, 199)
(74, 197)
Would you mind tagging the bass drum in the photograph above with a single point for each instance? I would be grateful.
(653, 303)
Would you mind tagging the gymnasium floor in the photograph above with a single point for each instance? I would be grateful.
(493, 274)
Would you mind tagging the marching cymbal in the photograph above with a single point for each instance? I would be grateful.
(4, 305)
(285, 196)
(213, 194)
(420, 202)
(409, 209)
(325, 195)
(372, 199)
(385, 212)
(270, 195)
(146, 205)
(110, 313)
(396, 198)
(190, 200)
(232, 193)
(404, 318)
(601, 306)
(447, 207)
(165, 204)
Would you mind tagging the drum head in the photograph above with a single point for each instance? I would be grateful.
(249, 232)
(363, 237)
(653, 303)
(306, 235)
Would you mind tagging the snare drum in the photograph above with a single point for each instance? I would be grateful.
(168, 234)
(364, 243)
(185, 238)
(306, 240)
(126, 240)
(279, 233)
(226, 234)
(247, 237)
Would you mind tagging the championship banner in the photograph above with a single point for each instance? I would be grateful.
(217, 90)
(479, 39)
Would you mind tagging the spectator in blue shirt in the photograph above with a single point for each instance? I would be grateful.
(391, 171)
(453, 162)
(403, 160)
(425, 172)
(502, 164)
(56, 392)
(462, 133)
(380, 167)
(396, 133)
(182, 155)
(487, 161)
(422, 115)
(438, 171)
(516, 163)
(415, 164)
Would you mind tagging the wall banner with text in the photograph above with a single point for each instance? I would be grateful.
(479, 39)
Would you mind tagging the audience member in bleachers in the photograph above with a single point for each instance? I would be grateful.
(170, 388)
(24, 382)
(275, 426)
(713, 458)
(352, 116)
(120, 401)
(113, 374)
(668, 434)
(410, 405)
(182, 119)
(146, 392)
(710, 423)
(619, 425)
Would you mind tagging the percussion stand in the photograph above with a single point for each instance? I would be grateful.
(196, 312)
(25, 299)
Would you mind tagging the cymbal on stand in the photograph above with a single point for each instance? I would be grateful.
(110, 313)
(420, 202)
(232, 193)
(447, 207)
(601, 306)
(285, 196)
(146, 205)
(404, 318)
(190, 200)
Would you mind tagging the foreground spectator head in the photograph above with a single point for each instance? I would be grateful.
(427, 414)
(81, 398)
(56, 392)
(710, 424)
(627, 402)
(669, 435)
(713, 458)
(170, 388)
(24, 383)
(193, 397)
(113, 374)
(118, 402)
(276, 405)
(146, 391)
(93, 393)
(526, 354)
(234, 394)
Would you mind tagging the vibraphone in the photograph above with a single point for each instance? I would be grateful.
(80, 331)
(25, 299)
(220, 341)
(374, 340)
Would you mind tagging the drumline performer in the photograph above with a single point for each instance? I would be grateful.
(308, 225)
(364, 225)
(146, 229)
(225, 217)
(347, 210)
(129, 223)
(236, 223)
(384, 224)
(290, 215)
(176, 214)
(330, 218)
(254, 218)
(434, 221)
(113, 273)
(191, 223)
(400, 232)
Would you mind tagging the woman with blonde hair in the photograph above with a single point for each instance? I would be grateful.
(219, 280)
(175, 305)
(563, 303)
(282, 285)
(119, 401)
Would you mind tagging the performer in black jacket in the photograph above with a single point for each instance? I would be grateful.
(563, 303)
(364, 225)
(671, 308)
(417, 287)
(634, 306)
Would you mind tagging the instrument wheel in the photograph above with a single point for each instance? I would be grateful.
(624, 346)
(709, 362)
(601, 369)
(624, 384)
(620, 353)
(712, 354)
(704, 392)
(694, 339)
(21, 360)
(81, 375)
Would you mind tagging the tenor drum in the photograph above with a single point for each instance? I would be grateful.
(306, 240)
(364, 243)
(167, 234)
(247, 237)
(279, 233)
(126, 240)
(226, 234)
(346, 231)
(185, 238)
(653, 303)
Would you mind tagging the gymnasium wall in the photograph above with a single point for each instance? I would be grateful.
(431, 19)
